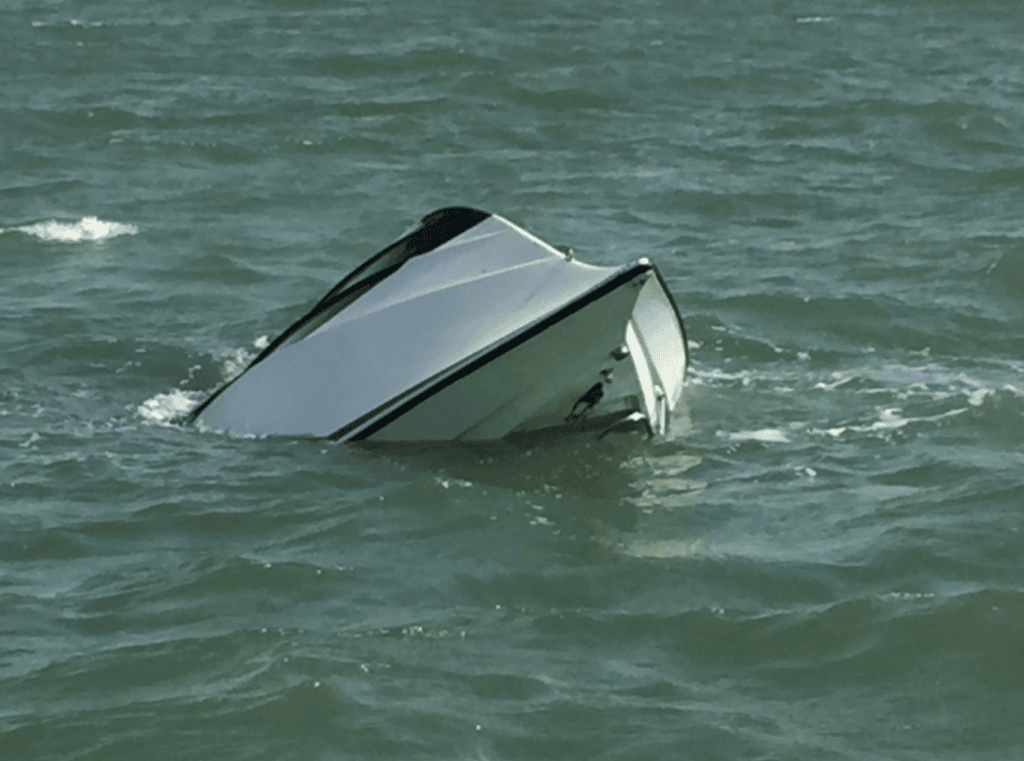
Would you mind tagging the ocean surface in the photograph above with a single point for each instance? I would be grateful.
(825, 561)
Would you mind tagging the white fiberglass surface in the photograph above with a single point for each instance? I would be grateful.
(658, 330)
(436, 310)
(493, 248)
(642, 369)
(347, 368)
(538, 380)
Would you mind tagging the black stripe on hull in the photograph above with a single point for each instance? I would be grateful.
(436, 229)
(353, 432)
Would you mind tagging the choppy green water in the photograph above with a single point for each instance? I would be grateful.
(825, 564)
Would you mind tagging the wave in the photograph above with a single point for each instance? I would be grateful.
(70, 22)
(1008, 270)
(85, 229)
(172, 407)
(169, 408)
(877, 398)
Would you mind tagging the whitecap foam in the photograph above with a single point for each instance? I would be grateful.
(667, 549)
(234, 361)
(977, 397)
(889, 419)
(167, 409)
(173, 407)
(714, 376)
(85, 229)
(70, 22)
(766, 435)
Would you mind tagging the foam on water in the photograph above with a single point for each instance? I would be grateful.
(72, 22)
(85, 229)
(889, 419)
(876, 399)
(235, 361)
(766, 435)
(903, 381)
(169, 408)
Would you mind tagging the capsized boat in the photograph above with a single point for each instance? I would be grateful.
(468, 328)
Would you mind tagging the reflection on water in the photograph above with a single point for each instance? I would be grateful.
(624, 491)
(664, 489)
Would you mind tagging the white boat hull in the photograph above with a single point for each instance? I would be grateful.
(487, 334)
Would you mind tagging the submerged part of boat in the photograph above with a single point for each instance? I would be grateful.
(468, 328)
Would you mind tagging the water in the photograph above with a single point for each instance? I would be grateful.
(824, 564)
